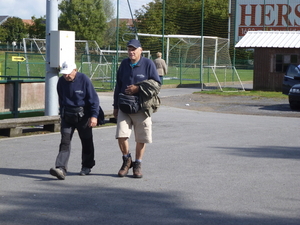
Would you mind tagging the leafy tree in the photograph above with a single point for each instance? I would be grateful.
(86, 17)
(108, 10)
(110, 35)
(3, 34)
(216, 18)
(38, 28)
(184, 17)
(15, 29)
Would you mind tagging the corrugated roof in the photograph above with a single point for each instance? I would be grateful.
(270, 39)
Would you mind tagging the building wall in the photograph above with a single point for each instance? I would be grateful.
(265, 76)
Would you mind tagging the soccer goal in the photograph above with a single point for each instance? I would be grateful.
(100, 65)
(89, 56)
(199, 59)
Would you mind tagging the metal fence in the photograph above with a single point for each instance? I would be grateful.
(102, 69)
(17, 64)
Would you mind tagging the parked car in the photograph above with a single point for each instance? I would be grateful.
(291, 86)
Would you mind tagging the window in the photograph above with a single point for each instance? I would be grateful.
(294, 59)
(283, 61)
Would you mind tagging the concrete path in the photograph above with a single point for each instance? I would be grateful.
(203, 168)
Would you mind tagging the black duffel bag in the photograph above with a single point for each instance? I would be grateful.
(101, 117)
(129, 103)
(72, 115)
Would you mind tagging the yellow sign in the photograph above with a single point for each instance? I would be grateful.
(18, 58)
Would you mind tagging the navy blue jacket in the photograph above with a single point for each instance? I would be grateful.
(79, 92)
(126, 75)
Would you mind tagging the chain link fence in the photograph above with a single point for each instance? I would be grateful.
(18, 65)
(182, 53)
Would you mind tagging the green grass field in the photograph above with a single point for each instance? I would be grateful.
(192, 75)
(34, 66)
(2, 59)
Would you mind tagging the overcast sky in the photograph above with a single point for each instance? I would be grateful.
(24, 9)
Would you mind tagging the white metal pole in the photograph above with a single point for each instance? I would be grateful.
(216, 52)
(51, 97)
(25, 51)
(168, 50)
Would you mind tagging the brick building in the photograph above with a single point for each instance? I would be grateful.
(273, 52)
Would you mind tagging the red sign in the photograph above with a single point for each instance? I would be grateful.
(269, 16)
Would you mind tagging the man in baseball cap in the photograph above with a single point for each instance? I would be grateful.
(79, 109)
(134, 43)
(132, 73)
(67, 67)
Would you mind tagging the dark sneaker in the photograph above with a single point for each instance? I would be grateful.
(127, 164)
(58, 172)
(85, 171)
(137, 170)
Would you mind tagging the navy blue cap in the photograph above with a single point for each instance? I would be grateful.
(134, 43)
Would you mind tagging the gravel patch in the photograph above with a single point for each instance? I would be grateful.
(247, 105)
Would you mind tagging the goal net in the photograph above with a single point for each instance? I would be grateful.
(193, 59)
(100, 65)
(90, 59)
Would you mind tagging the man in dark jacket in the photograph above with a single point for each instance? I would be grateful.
(132, 71)
(79, 109)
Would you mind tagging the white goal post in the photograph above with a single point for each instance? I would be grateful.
(194, 49)
(83, 47)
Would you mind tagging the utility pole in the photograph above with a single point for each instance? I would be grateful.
(202, 43)
(51, 97)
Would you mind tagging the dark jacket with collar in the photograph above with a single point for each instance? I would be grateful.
(78, 93)
(126, 75)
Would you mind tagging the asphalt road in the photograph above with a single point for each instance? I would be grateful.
(203, 168)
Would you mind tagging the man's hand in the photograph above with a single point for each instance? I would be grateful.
(132, 89)
(92, 122)
(116, 113)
